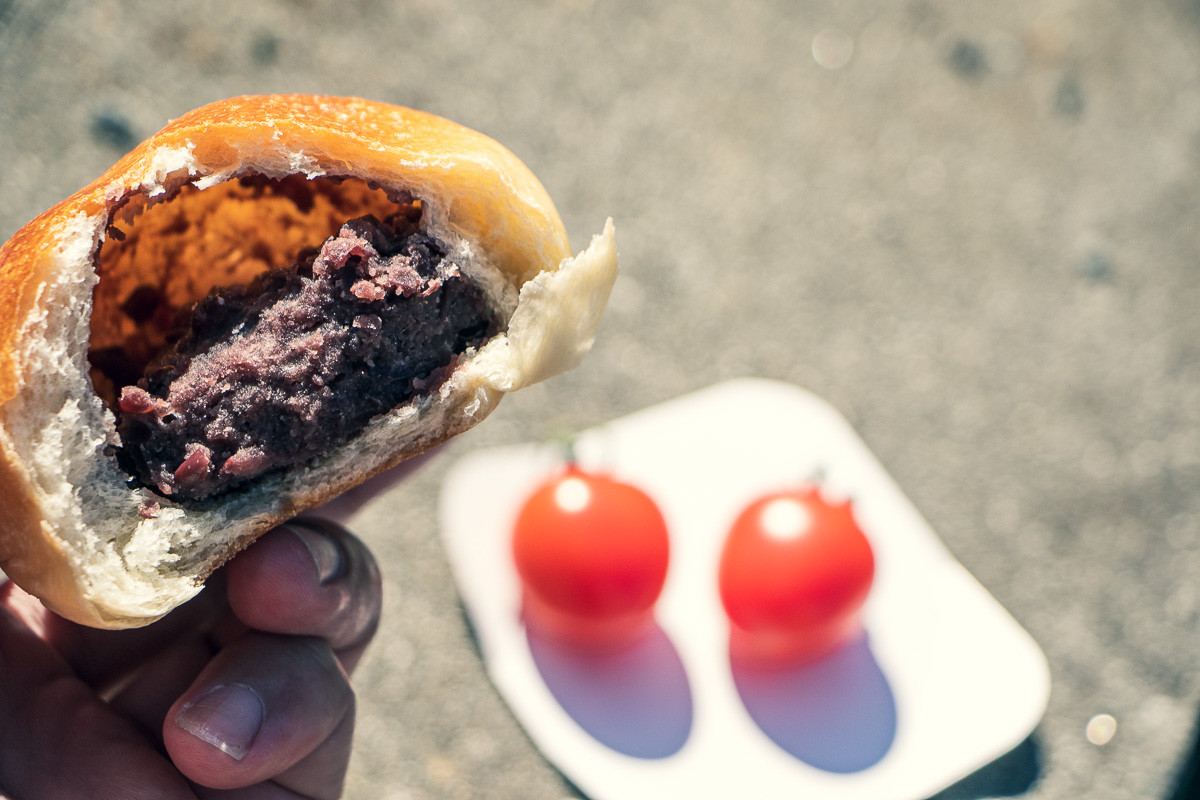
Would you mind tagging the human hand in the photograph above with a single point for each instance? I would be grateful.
(241, 693)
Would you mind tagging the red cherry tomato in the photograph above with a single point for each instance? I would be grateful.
(794, 572)
(592, 555)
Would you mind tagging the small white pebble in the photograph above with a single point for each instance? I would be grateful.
(1101, 729)
(832, 49)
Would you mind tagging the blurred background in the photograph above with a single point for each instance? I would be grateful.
(971, 226)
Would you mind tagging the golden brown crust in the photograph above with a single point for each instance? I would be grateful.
(36, 559)
(487, 194)
(361, 156)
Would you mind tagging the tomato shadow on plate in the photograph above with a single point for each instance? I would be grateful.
(836, 713)
(635, 700)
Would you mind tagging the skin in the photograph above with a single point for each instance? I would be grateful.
(241, 694)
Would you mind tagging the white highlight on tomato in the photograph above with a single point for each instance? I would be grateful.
(573, 495)
(784, 519)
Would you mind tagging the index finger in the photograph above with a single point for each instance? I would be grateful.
(309, 577)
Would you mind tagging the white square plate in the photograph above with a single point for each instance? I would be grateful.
(943, 682)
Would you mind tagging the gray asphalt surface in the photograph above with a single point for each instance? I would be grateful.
(971, 226)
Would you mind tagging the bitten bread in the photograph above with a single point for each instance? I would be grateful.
(262, 305)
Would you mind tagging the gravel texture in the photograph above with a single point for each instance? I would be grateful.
(969, 225)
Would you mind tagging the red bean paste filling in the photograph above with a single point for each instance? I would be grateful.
(274, 374)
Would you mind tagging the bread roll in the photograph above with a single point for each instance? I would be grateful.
(225, 193)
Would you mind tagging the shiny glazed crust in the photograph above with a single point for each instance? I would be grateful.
(73, 532)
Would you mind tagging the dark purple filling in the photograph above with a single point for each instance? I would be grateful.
(275, 374)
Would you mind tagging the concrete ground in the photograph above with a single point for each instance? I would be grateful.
(971, 226)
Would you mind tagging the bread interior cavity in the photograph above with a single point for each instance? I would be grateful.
(161, 255)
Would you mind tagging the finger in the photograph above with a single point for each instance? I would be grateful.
(59, 739)
(263, 705)
(259, 791)
(310, 577)
(101, 657)
(300, 782)
(322, 773)
(340, 508)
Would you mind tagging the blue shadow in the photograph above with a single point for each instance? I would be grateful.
(635, 700)
(836, 713)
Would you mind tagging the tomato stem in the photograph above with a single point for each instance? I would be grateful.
(566, 444)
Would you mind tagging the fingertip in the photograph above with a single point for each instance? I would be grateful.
(322, 540)
(275, 565)
(260, 708)
(225, 716)
(283, 578)
(309, 577)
